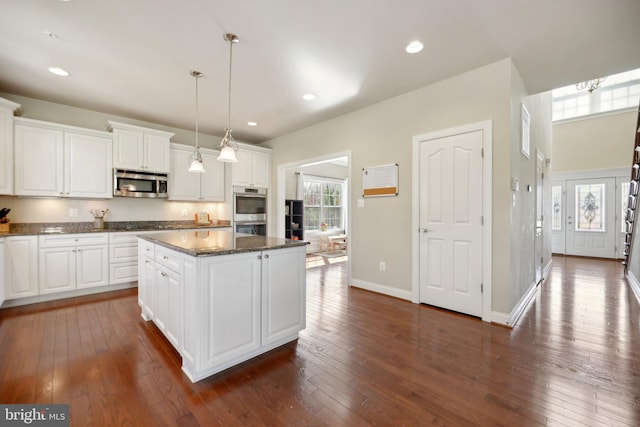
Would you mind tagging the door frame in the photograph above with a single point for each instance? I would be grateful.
(562, 178)
(487, 184)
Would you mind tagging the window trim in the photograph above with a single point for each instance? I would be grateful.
(343, 207)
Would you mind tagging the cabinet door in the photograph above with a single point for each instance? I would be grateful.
(162, 299)
(2, 292)
(88, 166)
(38, 161)
(232, 295)
(156, 153)
(93, 266)
(174, 310)
(127, 149)
(260, 168)
(6, 151)
(183, 185)
(21, 266)
(147, 288)
(283, 294)
(57, 269)
(241, 171)
(212, 182)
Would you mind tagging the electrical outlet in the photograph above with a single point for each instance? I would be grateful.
(184, 212)
(383, 266)
(361, 203)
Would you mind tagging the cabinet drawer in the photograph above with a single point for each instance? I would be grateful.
(126, 236)
(168, 258)
(73, 240)
(123, 272)
(147, 249)
(123, 252)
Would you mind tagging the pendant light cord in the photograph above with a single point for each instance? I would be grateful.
(229, 103)
(197, 112)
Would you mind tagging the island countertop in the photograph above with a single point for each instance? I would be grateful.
(213, 242)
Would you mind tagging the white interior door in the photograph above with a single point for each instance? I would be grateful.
(590, 225)
(451, 222)
(539, 205)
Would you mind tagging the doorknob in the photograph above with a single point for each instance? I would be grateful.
(424, 230)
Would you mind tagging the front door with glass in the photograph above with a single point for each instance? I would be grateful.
(590, 217)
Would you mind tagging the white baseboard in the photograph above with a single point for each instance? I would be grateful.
(70, 294)
(547, 269)
(634, 284)
(511, 319)
(382, 289)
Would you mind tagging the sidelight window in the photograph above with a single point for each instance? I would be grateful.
(556, 200)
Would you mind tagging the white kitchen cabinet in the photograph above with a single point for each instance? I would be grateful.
(202, 187)
(140, 148)
(2, 281)
(7, 109)
(61, 161)
(146, 279)
(21, 266)
(252, 169)
(283, 299)
(73, 261)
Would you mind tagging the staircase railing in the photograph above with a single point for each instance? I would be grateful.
(632, 201)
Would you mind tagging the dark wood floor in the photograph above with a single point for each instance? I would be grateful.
(364, 359)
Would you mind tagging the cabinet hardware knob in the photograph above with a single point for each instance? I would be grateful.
(165, 258)
(163, 274)
(266, 257)
(425, 230)
(259, 257)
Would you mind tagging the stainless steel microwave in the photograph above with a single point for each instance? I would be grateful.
(140, 184)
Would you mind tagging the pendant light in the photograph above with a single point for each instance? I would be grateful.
(195, 159)
(228, 146)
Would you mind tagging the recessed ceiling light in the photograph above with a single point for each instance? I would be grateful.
(252, 123)
(50, 35)
(414, 47)
(58, 71)
(308, 97)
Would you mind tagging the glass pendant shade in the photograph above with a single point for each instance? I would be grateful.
(228, 154)
(195, 162)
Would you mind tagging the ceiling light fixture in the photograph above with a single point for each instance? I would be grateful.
(228, 146)
(59, 71)
(252, 123)
(195, 159)
(308, 97)
(590, 85)
(414, 47)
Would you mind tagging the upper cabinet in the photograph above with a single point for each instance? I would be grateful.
(200, 187)
(7, 108)
(61, 161)
(252, 169)
(140, 148)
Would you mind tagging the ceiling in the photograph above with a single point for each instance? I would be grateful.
(133, 58)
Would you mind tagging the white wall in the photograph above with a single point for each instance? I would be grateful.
(381, 134)
(599, 142)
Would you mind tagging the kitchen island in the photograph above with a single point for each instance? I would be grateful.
(222, 298)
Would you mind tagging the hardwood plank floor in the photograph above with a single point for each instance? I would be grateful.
(365, 359)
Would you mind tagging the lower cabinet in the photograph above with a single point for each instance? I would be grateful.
(221, 310)
(21, 266)
(2, 292)
(68, 262)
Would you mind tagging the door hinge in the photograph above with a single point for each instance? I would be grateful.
(482, 220)
(482, 153)
(542, 175)
(541, 260)
(481, 288)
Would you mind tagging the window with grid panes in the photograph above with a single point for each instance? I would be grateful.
(323, 199)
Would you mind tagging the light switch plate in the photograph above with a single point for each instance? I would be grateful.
(361, 203)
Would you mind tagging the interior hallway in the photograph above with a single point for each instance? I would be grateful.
(364, 359)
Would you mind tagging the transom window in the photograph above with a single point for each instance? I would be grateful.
(616, 92)
(323, 203)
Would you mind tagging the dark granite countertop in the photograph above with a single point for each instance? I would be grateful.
(216, 242)
(25, 229)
